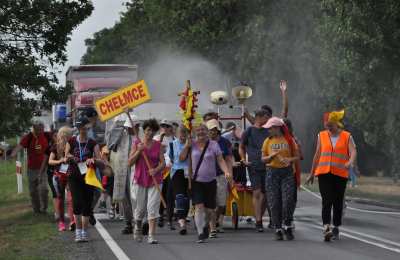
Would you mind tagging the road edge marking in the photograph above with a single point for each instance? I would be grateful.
(355, 209)
(345, 234)
(117, 251)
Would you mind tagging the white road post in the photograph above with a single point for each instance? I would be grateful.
(18, 171)
(20, 187)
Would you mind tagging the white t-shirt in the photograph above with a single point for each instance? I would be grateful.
(165, 144)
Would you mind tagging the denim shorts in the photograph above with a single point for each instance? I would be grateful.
(257, 178)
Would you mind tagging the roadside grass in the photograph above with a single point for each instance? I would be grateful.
(24, 235)
(380, 189)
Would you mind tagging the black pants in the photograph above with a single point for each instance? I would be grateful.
(50, 172)
(281, 190)
(82, 194)
(332, 189)
(167, 193)
(180, 193)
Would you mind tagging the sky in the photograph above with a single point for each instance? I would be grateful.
(105, 14)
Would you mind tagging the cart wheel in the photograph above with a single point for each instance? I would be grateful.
(235, 215)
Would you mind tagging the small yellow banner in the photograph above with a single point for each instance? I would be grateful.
(117, 102)
(91, 178)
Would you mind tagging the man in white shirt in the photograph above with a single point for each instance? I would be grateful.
(165, 137)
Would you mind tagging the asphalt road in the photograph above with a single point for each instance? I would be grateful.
(368, 233)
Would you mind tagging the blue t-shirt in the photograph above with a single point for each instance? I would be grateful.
(226, 147)
(173, 154)
(253, 138)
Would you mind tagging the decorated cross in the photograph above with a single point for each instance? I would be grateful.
(188, 105)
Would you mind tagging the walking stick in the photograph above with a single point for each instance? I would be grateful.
(146, 159)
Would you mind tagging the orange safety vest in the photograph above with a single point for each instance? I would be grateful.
(333, 159)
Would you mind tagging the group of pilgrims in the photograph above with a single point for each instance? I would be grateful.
(160, 174)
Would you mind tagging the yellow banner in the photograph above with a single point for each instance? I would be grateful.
(127, 97)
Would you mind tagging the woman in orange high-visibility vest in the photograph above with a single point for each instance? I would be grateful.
(334, 155)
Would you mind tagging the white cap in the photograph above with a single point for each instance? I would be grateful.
(213, 123)
(128, 122)
(165, 122)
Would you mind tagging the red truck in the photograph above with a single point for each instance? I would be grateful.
(91, 82)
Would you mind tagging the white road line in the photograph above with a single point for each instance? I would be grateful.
(386, 241)
(118, 252)
(375, 212)
(393, 249)
(355, 209)
(383, 240)
(309, 191)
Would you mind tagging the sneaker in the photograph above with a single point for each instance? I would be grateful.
(204, 235)
(259, 227)
(137, 235)
(72, 227)
(78, 235)
(111, 214)
(151, 240)
(270, 226)
(206, 231)
(171, 226)
(84, 236)
(278, 235)
(327, 234)
(335, 233)
(61, 226)
(183, 231)
(202, 238)
(92, 220)
(127, 230)
(289, 233)
(213, 234)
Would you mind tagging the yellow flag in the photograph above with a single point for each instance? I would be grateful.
(91, 178)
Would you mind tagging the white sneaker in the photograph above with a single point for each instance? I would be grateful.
(84, 236)
(111, 214)
(151, 240)
(78, 235)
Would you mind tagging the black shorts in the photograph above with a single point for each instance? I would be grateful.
(257, 178)
(179, 183)
(205, 193)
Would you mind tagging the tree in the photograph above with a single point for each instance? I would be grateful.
(361, 61)
(33, 38)
(334, 53)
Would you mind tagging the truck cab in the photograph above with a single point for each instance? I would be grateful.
(90, 82)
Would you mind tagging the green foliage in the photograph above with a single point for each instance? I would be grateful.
(19, 226)
(33, 38)
(334, 53)
(361, 58)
